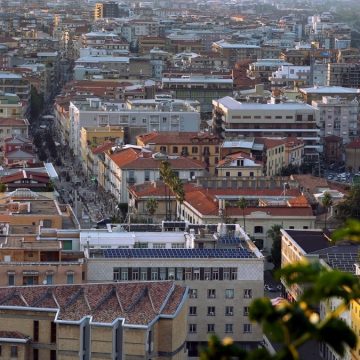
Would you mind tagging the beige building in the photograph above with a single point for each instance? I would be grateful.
(10, 127)
(352, 155)
(239, 164)
(202, 146)
(95, 321)
(37, 241)
(265, 208)
(222, 284)
(11, 106)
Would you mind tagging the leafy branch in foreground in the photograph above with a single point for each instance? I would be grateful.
(291, 325)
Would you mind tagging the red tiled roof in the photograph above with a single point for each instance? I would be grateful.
(139, 303)
(106, 146)
(238, 155)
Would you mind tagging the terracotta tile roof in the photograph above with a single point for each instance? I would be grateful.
(355, 144)
(139, 303)
(178, 138)
(310, 183)
(271, 211)
(106, 146)
(202, 202)
(299, 201)
(25, 174)
(132, 158)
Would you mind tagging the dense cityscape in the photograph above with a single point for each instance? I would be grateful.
(161, 160)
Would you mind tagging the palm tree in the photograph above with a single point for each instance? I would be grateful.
(242, 204)
(151, 206)
(326, 202)
(165, 171)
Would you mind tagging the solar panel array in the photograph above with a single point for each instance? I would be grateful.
(229, 239)
(343, 261)
(178, 253)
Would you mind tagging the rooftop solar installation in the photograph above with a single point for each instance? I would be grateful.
(229, 239)
(179, 253)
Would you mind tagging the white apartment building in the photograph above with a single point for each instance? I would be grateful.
(138, 117)
(338, 117)
(222, 281)
(291, 119)
(290, 76)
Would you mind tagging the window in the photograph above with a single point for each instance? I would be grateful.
(258, 230)
(162, 273)
(175, 149)
(228, 328)
(70, 278)
(143, 273)
(247, 328)
(14, 351)
(147, 175)
(196, 274)
(192, 328)
(211, 311)
(179, 273)
(171, 273)
(36, 330)
(229, 293)
(246, 311)
(229, 311)
(159, 246)
(35, 354)
(163, 149)
(53, 332)
(194, 149)
(11, 279)
(233, 273)
(207, 273)
(193, 293)
(211, 293)
(125, 274)
(215, 273)
(211, 328)
(188, 274)
(291, 227)
(239, 173)
(164, 119)
(154, 273)
(135, 274)
(116, 274)
(52, 354)
(49, 279)
(192, 310)
(247, 293)
(227, 173)
(251, 174)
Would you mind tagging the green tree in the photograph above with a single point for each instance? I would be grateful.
(242, 204)
(349, 208)
(274, 233)
(151, 206)
(326, 202)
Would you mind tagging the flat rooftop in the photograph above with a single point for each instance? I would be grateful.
(310, 241)
(173, 253)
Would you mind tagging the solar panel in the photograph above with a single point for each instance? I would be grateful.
(178, 253)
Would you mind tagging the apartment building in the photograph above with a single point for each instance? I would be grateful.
(263, 68)
(136, 117)
(239, 164)
(290, 76)
(106, 10)
(236, 51)
(201, 88)
(222, 283)
(352, 155)
(139, 320)
(11, 106)
(265, 207)
(15, 84)
(290, 119)
(132, 165)
(201, 146)
(280, 153)
(317, 93)
(107, 41)
(10, 127)
(344, 74)
(338, 117)
(314, 245)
